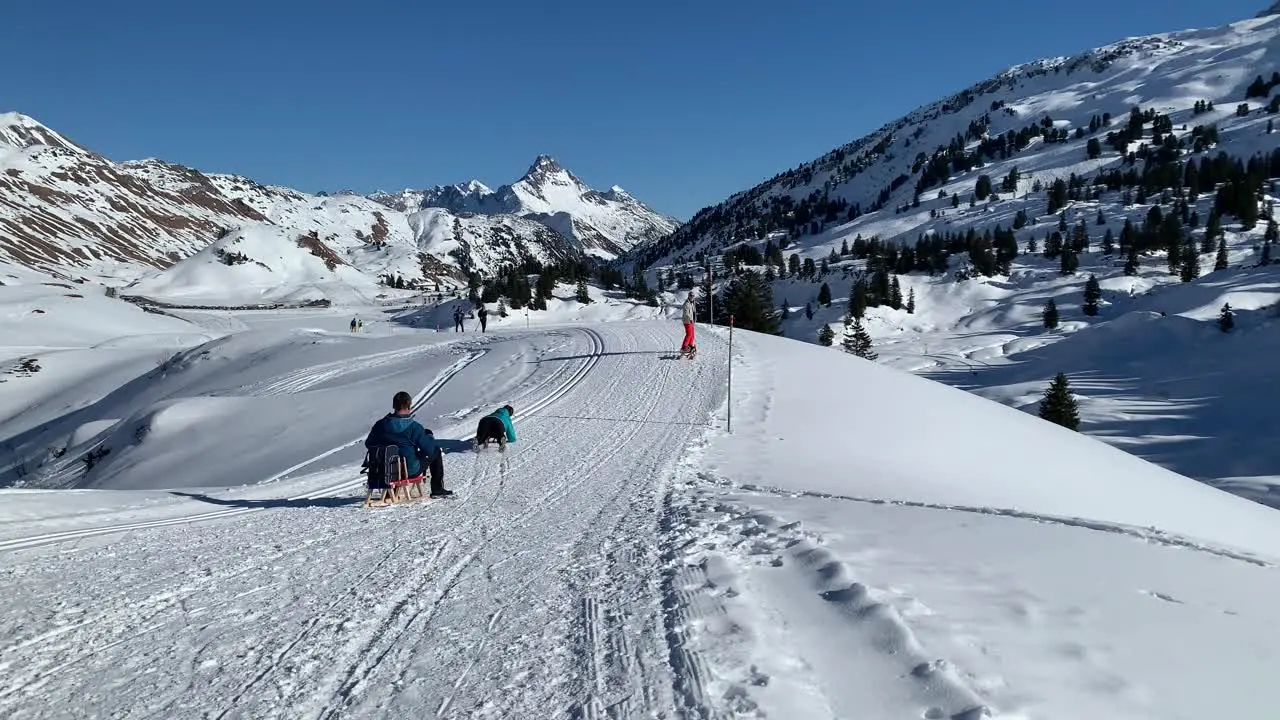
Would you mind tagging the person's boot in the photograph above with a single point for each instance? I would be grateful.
(502, 443)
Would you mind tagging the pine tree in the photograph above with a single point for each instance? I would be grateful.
(808, 310)
(1273, 232)
(1220, 262)
(826, 336)
(858, 300)
(857, 341)
(895, 294)
(1206, 243)
(749, 299)
(1190, 263)
(1058, 406)
(1214, 228)
(1131, 263)
(824, 295)
(983, 187)
(1092, 294)
(1227, 320)
(1069, 261)
(1175, 258)
(911, 302)
(583, 296)
(1108, 243)
(1050, 314)
(1102, 220)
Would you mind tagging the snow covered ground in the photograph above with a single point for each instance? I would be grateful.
(1152, 372)
(863, 543)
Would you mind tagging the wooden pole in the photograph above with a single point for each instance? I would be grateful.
(729, 404)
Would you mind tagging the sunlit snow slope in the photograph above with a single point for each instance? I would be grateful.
(627, 557)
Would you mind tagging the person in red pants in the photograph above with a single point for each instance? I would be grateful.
(687, 317)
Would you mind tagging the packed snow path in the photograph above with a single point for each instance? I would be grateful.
(534, 592)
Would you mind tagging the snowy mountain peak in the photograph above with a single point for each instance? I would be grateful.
(544, 172)
(475, 187)
(21, 132)
(605, 224)
(1273, 10)
(545, 164)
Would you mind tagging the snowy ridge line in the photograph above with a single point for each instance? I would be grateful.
(425, 395)
(1150, 534)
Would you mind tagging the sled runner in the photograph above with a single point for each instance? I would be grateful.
(387, 476)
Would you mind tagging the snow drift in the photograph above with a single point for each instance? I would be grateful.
(832, 423)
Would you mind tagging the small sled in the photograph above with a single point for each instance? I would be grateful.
(388, 476)
(477, 446)
(690, 352)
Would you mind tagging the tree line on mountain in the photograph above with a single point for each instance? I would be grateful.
(1164, 172)
(754, 215)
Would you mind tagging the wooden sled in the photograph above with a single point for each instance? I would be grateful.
(392, 484)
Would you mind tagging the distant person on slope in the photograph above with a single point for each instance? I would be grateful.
(416, 443)
(496, 426)
(457, 319)
(483, 314)
(687, 317)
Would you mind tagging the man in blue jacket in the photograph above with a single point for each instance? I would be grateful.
(497, 426)
(416, 443)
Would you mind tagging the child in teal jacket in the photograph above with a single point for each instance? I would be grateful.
(496, 426)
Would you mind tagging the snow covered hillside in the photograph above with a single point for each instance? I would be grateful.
(603, 224)
(627, 557)
(67, 211)
(1148, 167)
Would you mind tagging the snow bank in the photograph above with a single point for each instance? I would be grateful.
(46, 313)
(829, 422)
(260, 264)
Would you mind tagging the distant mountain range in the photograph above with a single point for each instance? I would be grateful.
(605, 224)
(76, 214)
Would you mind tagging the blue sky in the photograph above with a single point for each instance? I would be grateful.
(681, 103)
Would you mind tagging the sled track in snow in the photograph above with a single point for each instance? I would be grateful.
(576, 377)
(538, 593)
(306, 378)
